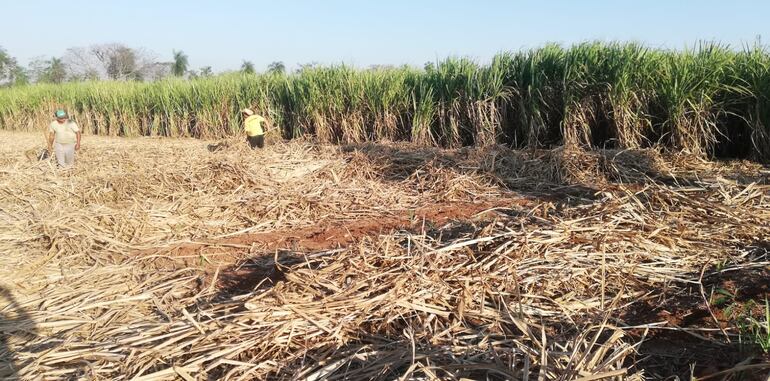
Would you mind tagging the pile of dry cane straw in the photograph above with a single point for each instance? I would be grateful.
(157, 259)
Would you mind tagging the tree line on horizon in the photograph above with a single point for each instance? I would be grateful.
(107, 62)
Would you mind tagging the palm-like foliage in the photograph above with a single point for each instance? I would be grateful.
(276, 67)
(179, 67)
(247, 67)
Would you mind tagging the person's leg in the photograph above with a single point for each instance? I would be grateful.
(58, 151)
(252, 141)
(69, 155)
(261, 141)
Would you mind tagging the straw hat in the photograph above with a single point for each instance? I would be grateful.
(247, 112)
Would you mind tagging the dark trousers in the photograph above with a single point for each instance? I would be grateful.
(256, 141)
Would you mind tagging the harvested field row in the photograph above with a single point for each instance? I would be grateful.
(559, 264)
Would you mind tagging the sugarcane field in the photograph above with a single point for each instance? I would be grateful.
(588, 211)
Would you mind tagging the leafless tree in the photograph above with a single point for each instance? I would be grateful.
(83, 65)
(111, 61)
(157, 71)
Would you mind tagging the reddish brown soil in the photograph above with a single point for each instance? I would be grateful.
(340, 234)
(237, 276)
(332, 235)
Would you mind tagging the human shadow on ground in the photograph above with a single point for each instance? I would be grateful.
(14, 321)
(259, 273)
(691, 341)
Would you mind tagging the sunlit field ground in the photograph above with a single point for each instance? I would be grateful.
(163, 259)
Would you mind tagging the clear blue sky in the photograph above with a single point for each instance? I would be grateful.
(222, 34)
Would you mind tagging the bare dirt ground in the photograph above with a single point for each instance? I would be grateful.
(159, 259)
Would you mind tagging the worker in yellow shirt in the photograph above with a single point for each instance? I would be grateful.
(255, 127)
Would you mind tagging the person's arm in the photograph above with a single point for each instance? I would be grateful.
(76, 129)
(51, 136)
